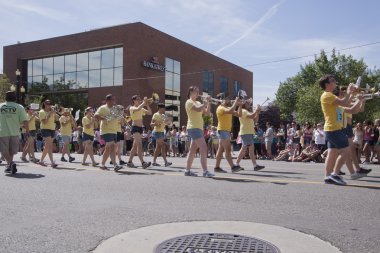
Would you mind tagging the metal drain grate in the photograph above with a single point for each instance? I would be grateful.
(215, 243)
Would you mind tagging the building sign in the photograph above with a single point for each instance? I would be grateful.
(153, 64)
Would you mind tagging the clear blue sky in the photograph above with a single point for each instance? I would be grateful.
(244, 32)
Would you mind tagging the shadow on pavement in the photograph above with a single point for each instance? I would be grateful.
(282, 172)
(25, 175)
(364, 186)
(236, 180)
(266, 175)
(137, 173)
(165, 170)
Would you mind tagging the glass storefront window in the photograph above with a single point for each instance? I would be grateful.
(37, 67)
(59, 64)
(71, 79)
(94, 78)
(107, 58)
(70, 63)
(118, 76)
(106, 76)
(47, 66)
(94, 60)
(82, 79)
(30, 68)
(118, 57)
(177, 67)
(176, 82)
(82, 61)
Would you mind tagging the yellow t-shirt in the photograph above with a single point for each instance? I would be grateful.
(246, 124)
(136, 115)
(333, 114)
(50, 125)
(159, 118)
(67, 129)
(32, 123)
(87, 130)
(224, 119)
(194, 118)
(107, 127)
(346, 116)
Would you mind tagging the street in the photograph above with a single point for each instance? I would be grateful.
(73, 208)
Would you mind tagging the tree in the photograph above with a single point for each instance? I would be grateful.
(4, 87)
(303, 87)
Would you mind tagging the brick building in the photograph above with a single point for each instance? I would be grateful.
(123, 60)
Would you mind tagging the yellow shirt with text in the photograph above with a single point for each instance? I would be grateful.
(194, 118)
(332, 112)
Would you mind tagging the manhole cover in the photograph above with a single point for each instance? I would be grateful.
(215, 243)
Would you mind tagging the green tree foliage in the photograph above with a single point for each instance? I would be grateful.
(301, 93)
(4, 87)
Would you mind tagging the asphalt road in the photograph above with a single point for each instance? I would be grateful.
(74, 207)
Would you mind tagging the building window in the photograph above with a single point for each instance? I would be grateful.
(224, 86)
(237, 87)
(172, 89)
(93, 69)
(208, 82)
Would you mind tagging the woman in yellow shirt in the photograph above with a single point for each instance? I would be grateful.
(88, 122)
(247, 119)
(48, 117)
(29, 146)
(67, 122)
(194, 110)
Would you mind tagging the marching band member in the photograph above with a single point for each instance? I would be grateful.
(48, 117)
(158, 122)
(108, 130)
(88, 122)
(246, 133)
(224, 114)
(194, 110)
(137, 111)
(29, 146)
(67, 124)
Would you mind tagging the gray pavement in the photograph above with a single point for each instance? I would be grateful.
(74, 208)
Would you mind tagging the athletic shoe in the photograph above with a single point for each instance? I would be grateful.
(122, 162)
(24, 159)
(95, 164)
(63, 159)
(208, 174)
(236, 168)
(156, 164)
(35, 160)
(71, 159)
(189, 173)
(167, 164)
(219, 170)
(357, 175)
(337, 179)
(329, 181)
(341, 173)
(146, 164)
(8, 169)
(13, 168)
(131, 165)
(117, 168)
(364, 171)
(42, 163)
(54, 165)
(258, 167)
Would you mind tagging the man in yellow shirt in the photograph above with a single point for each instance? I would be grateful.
(158, 124)
(67, 122)
(108, 131)
(224, 114)
(337, 142)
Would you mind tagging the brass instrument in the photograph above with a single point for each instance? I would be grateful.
(154, 99)
(370, 96)
(214, 101)
(266, 100)
(116, 112)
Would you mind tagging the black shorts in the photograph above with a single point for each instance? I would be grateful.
(136, 129)
(349, 131)
(87, 137)
(47, 133)
(119, 137)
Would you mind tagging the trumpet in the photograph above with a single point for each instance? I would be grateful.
(370, 96)
(214, 101)
(154, 99)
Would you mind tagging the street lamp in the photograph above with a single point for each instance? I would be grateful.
(12, 88)
(18, 73)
